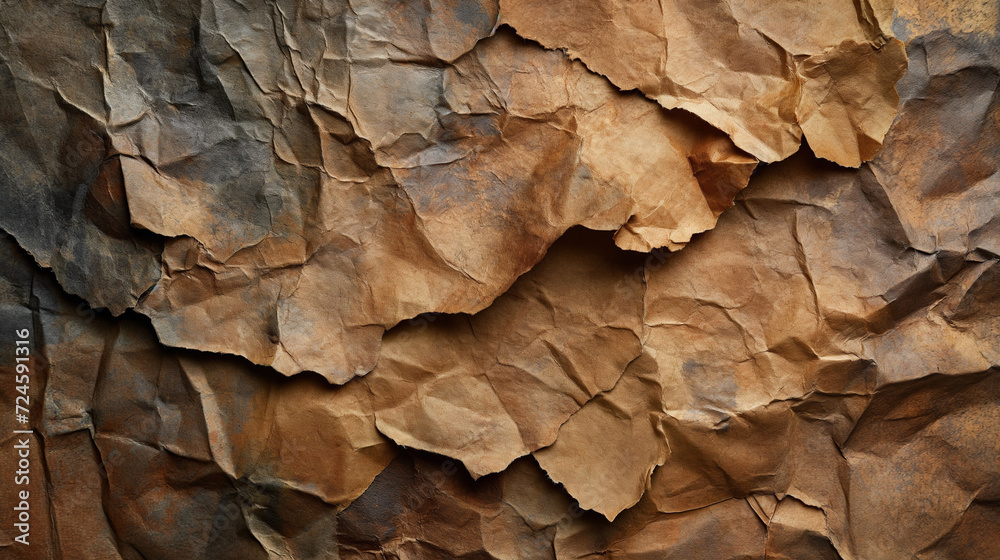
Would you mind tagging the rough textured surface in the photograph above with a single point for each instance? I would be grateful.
(465, 279)
(764, 75)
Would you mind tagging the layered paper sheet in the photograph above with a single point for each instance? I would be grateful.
(500, 280)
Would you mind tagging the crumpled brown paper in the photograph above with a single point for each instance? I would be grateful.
(764, 75)
(263, 142)
(456, 205)
(828, 352)
(815, 377)
(492, 387)
(423, 507)
(190, 454)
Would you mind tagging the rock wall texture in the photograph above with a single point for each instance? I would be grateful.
(500, 280)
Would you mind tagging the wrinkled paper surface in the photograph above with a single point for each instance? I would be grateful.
(502, 280)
